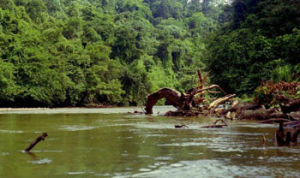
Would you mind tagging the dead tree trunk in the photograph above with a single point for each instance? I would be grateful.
(181, 101)
(175, 98)
(184, 101)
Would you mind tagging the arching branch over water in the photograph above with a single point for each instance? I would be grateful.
(173, 97)
(179, 100)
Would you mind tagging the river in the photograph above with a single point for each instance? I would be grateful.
(113, 143)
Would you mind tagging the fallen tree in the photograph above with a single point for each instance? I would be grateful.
(179, 100)
(175, 98)
(182, 101)
(274, 103)
(268, 95)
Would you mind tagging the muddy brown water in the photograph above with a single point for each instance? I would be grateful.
(112, 143)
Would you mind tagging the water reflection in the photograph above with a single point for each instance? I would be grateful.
(126, 145)
(32, 155)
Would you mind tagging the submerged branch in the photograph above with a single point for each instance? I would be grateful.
(36, 141)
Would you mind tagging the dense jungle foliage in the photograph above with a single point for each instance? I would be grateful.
(78, 52)
(261, 42)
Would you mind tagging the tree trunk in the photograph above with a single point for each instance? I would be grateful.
(179, 100)
(175, 98)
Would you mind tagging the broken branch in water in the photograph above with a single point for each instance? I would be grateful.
(36, 141)
(215, 125)
(264, 140)
(181, 126)
(287, 133)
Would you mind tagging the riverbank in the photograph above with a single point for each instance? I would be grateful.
(82, 110)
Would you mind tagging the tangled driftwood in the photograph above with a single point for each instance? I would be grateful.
(189, 105)
(179, 100)
(184, 101)
(192, 103)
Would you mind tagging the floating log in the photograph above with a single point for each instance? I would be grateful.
(36, 141)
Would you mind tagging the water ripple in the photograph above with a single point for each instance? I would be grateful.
(41, 161)
(76, 127)
(12, 131)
